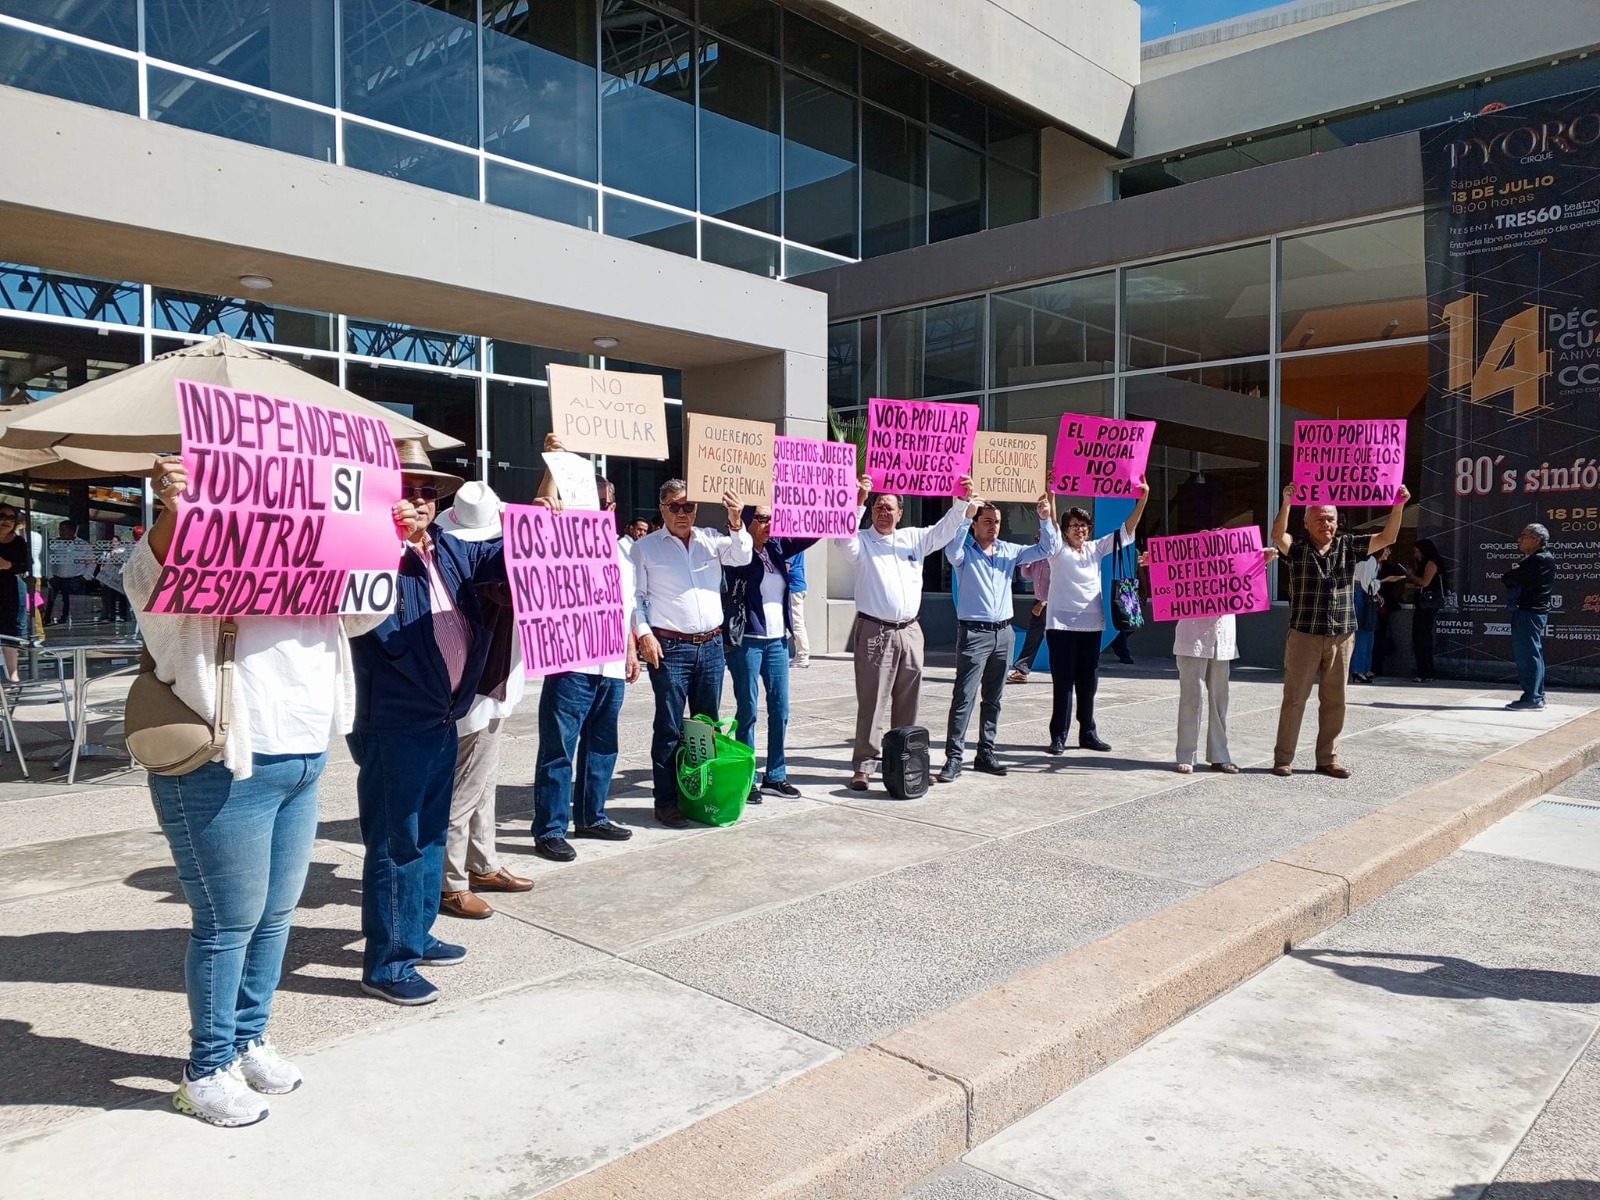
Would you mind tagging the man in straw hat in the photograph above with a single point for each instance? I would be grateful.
(416, 676)
(470, 862)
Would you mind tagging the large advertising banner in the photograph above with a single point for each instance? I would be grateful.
(289, 510)
(1512, 434)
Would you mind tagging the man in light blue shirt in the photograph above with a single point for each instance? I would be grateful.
(983, 566)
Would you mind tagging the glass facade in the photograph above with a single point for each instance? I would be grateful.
(730, 130)
(1224, 349)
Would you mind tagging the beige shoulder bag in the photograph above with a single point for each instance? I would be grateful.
(167, 737)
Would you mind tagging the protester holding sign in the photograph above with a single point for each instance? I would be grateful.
(756, 626)
(1075, 618)
(888, 641)
(241, 827)
(416, 676)
(1322, 623)
(983, 567)
(678, 621)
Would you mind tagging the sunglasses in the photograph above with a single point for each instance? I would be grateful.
(418, 491)
(758, 519)
(12, 517)
(680, 506)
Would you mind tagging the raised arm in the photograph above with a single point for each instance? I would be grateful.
(1132, 523)
(963, 508)
(1049, 535)
(1280, 523)
(735, 549)
(1390, 533)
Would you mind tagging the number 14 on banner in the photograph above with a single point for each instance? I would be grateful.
(1515, 361)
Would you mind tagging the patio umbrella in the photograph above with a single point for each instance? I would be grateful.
(137, 409)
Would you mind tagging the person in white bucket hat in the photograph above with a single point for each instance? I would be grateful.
(470, 862)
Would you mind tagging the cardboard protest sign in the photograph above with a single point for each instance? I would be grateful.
(1009, 466)
(288, 510)
(1100, 456)
(1348, 462)
(919, 447)
(566, 588)
(1208, 574)
(723, 454)
(574, 477)
(608, 412)
(813, 488)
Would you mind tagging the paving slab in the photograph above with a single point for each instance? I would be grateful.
(43, 867)
(1553, 830)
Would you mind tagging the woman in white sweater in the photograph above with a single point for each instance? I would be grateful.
(241, 827)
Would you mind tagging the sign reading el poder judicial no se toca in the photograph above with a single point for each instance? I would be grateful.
(288, 510)
(566, 587)
(919, 447)
(1100, 456)
(608, 412)
(1512, 431)
(1211, 574)
(1348, 462)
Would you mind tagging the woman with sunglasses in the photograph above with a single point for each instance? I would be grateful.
(16, 568)
(241, 827)
(756, 627)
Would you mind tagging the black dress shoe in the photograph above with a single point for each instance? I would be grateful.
(606, 831)
(1057, 745)
(948, 772)
(555, 849)
(1092, 741)
(672, 820)
(988, 766)
(755, 795)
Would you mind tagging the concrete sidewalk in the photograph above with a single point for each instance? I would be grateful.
(654, 982)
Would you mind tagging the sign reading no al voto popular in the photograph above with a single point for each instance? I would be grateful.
(608, 412)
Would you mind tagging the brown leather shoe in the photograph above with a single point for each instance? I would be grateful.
(465, 904)
(501, 881)
(1334, 771)
(1283, 769)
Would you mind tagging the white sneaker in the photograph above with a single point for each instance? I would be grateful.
(265, 1070)
(220, 1098)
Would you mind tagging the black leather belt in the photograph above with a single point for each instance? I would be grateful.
(887, 624)
(694, 639)
(991, 626)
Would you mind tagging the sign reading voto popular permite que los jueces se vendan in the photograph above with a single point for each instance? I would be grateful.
(1348, 462)
(288, 512)
(566, 587)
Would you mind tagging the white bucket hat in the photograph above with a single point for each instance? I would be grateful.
(475, 514)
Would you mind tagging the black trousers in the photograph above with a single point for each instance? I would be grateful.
(1422, 623)
(1074, 668)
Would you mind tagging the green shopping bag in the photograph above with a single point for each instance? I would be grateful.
(715, 772)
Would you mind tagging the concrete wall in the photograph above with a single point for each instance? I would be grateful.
(1385, 52)
(1075, 61)
(1072, 174)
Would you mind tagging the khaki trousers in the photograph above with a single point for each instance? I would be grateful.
(1213, 673)
(1304, 656)
(469, 841)
(888, 667)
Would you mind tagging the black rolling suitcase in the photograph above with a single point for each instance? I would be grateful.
(905, 762)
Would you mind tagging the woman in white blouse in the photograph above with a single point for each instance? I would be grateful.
(241, 827)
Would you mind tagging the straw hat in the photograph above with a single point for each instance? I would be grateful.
(414, 461)
(475, 515)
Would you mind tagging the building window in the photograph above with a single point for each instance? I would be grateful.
(740, 146)
(176, 99)
(284, 46)
(540, 195)
(741, 251)
(41, 64)
(955, 189)
(934, 351)
(647, 103)
(653, 226)
(1361, 283)
(114, 22)
(894, 202)
(247, 320)
(1055, 330)
(411, 161)
(1198, 309)
(414, 65)
(852, 363)
(1039, 410)
(819, 163)
(539, 85)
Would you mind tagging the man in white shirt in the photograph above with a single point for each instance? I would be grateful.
(71, 559)
(631, 533)
(888, 647)
(678, 621)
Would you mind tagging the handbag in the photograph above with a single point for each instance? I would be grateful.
(164, 735)
(1127, 606)
(1432, 596)
(715, 771)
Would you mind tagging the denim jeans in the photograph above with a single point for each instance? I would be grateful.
(1527, 645)
(690, 672)
(1361, 655)
(577, 751)
(765, 660)
(242, 847)
(403, 793)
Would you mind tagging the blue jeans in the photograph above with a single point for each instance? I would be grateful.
(577, 751)
(766, 660)
(403, 791)
(690, 672)
(1361, 655)
(1527, 645)
(242, 847)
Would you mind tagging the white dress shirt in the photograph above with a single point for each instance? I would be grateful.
(680, 586)
(889, 569)
(1206, 637)
(1074, 602)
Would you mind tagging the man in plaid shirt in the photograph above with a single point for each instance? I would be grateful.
(1322, 623)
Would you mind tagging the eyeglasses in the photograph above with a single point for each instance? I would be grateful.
(1079, 526)
(12, 517)
(418, 491)
(758, 519)
(680, 506)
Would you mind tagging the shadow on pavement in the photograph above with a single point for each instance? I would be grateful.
(65, 1071)
(1452, 977)
(1545, 1189)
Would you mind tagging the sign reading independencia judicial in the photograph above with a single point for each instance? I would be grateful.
(1512, 434)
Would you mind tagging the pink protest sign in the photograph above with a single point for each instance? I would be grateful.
(1100, 456)
(566, 587)
(1210, 574)
(1348, 462)
(813, 488)
(288, 511)
(919, 447)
